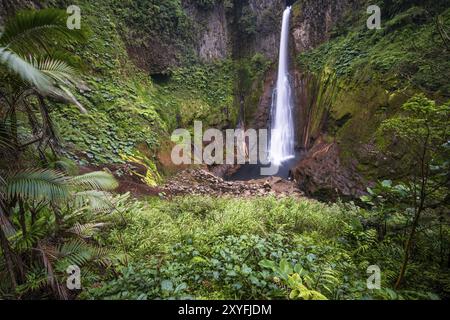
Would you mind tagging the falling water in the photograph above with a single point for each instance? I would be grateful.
(281, 146)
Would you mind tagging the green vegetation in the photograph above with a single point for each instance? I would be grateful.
(128, 112)
(264, 248)
(362, 77)
(399, 56)
(71, 101)
(42, 202)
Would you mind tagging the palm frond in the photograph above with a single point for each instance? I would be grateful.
(26, 71)
(62, 75)
(35, 184)
(37, 30)
(75, 252)
(98, 180)
(50, 77)
(49, 256)
(80, 253)
(56, 69)
(63, 93)
(65, 165)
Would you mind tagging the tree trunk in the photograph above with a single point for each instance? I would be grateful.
(408, 248)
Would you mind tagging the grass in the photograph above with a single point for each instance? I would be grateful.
(207, 248)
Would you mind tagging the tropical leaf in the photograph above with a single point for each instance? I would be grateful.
(98, 180)
(62, 92)
(37, 184)
(75, 252)
(38, 30)
(26, 71)
(56, 69)
(96, 200)
(65, 165)
(86, 230)
(35, 279)
(62, 76)
(49, 256)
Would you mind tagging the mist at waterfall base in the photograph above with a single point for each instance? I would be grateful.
(281, 149)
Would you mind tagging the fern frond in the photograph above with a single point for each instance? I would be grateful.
(98, 201)
(86, 230)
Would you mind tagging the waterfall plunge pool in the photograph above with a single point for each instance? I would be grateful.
(249, 172)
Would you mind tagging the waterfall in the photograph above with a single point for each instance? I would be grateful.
(281, 147)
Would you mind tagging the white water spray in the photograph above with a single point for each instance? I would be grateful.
(282, 138)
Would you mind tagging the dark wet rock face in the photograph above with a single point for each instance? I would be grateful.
(321, 173)
(316, 19)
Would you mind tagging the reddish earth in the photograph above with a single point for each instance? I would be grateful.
(128, 181)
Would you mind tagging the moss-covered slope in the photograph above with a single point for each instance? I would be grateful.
(360, 77)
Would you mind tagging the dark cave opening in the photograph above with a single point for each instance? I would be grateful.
(161, 78)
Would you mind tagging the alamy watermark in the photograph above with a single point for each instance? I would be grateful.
(374, 21)
(74, 19)
(374, 280)
(74, 278)
(232, 146)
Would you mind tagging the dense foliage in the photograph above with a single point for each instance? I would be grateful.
(400, 55)
(265, 248)
(72, 100)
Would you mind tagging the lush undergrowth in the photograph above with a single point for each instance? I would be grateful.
(206, 248)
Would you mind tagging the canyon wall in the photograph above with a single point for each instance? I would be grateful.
(349, 79)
